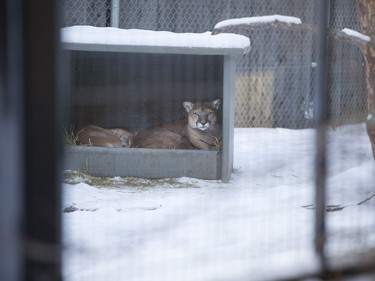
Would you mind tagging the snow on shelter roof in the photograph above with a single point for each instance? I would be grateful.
(109, 39)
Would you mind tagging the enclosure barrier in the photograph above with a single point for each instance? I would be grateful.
(281, 84)
(275, 82)
(42, 237)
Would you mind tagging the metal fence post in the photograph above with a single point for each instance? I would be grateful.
(115, 13)
(320, 113)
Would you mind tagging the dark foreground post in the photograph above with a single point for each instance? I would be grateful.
(320, 125)
(31, 107)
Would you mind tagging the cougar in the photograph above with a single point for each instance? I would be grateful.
(97, 136)
(201, 130)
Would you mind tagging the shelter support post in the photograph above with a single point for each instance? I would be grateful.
(228, 117)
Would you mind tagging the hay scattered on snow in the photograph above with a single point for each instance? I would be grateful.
(75, 177)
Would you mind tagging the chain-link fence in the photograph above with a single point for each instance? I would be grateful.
(347, 86)
(87, 12)
(275, 81)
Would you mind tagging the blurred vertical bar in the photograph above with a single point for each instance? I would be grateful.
(11, 138)
(320, 113)
(43, 122)
(115, 13)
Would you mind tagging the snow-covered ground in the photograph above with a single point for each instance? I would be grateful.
(260, 225)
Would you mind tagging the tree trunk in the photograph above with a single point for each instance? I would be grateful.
(366, 10)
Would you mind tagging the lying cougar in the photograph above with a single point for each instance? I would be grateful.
(201, 131)
(97, 136)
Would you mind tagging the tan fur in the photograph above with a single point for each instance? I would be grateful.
(168, 136)
(200, 131)
(97, 136)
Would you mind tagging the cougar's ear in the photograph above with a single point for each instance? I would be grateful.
(188, 105)
(216, 104)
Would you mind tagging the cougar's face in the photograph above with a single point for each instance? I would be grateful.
(202, 119)
(202, 114)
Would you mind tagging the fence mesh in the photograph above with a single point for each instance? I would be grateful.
(347, 104)
(86, 12)
(275, 81)
(347, 86)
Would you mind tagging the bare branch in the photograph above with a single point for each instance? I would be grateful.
(368, 199)
(241, 28)
(352, 40)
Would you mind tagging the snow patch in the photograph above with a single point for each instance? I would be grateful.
(260, 19)
(253, 228)
(356, 34)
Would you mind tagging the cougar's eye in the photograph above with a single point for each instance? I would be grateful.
(196, 113)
